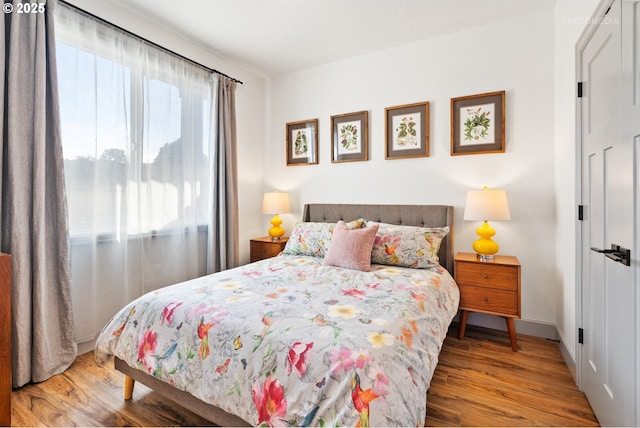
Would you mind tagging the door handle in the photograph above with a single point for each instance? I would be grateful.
(616, 253)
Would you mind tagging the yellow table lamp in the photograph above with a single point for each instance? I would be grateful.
(486, 204)
(276, 203)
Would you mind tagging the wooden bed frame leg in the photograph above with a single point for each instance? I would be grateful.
(129, 383)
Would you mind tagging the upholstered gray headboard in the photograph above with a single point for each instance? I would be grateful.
(409, 215)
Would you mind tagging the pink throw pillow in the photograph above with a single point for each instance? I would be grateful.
(351, 248)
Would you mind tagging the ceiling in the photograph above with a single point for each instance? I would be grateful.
(272, 37)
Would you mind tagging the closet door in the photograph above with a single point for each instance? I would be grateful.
(610, 170)
(631, 133)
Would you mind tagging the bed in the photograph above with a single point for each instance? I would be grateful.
(305, 338)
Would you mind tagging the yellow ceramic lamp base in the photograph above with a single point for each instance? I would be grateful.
(276, 231)
(485, 247)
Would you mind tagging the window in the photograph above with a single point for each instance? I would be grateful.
(137, 138)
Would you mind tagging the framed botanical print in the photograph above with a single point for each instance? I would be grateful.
(302, 142)
(407, 131)
(477, 124)
(350, 137)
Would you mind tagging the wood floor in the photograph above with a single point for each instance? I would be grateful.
(478, 382)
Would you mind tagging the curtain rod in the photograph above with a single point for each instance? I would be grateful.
(145, 40)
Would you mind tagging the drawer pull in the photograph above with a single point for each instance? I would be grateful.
(486, 299)
(485, 276)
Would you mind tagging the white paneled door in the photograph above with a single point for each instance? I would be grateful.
(610, 132)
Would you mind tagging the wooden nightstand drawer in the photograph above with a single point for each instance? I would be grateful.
(264, 248)
(491, 287)
(261, 251)
(488, 300)
(486, 275)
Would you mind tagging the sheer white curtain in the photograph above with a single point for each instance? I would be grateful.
(137, 137)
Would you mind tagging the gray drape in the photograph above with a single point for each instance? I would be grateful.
(34, 209)
(223, 242)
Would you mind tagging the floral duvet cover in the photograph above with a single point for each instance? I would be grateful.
(289, 341)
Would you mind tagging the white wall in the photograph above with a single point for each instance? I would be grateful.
(515, 56)
(531, 57)
(571, 17)
(251, 105)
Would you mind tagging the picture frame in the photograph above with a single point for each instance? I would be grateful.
(350, 137)
(407, 131)
(302, 142)
(478, 124)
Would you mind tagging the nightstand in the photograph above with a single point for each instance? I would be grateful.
(263, 248)
(490, 287)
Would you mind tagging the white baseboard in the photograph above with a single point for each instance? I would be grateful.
(530, 328)
(569, 360)
(85, 347)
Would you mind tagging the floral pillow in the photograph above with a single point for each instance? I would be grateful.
(313, 238)
(407, 246)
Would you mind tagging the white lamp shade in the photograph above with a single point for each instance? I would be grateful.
(275, 203)
(487, 204)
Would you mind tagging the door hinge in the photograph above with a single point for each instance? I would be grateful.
(580, 336)
(579, 89)
(580, 212)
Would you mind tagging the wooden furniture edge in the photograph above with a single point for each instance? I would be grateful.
(186, 400)
(5, 340)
